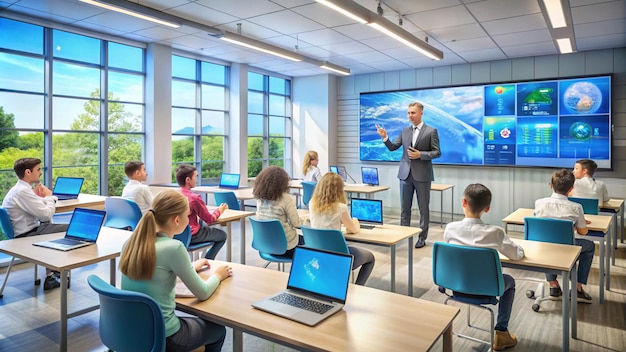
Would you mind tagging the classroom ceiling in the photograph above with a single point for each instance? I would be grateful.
(466, 31)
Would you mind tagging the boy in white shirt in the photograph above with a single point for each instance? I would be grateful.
(472, 231)
(585, 185)
(135, 190)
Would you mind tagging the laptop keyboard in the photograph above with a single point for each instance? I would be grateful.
(304, 303)
(66, 241)
(66, 197)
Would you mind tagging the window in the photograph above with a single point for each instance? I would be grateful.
(269, 122)
(199, 116)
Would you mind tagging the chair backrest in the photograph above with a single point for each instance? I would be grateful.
(185, 236)
(307, 191)
(227, 197)
(268, 236)
(468, 270)
(549, 230)
(590, 205)
(129, 321)
(5, 224)
(121, 213)
(328, 239)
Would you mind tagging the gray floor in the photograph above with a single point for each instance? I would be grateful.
(29, 317)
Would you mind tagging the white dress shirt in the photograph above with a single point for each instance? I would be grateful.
(416, 132)
(474, 232)
(587, 187)
(313, 174)
(140, 193)
(558, 206)
(26, 209)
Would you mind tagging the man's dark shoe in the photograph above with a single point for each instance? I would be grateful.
(555, 293)
(583, 297)
(50, 283)
(420, 243)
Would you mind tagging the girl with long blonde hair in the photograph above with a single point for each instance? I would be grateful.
(309, 167)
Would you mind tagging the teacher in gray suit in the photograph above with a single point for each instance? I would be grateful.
(420, 144)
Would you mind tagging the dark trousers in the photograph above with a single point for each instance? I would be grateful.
(422, 190)
(209, 234)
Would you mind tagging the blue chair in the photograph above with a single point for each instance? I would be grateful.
(129, 321)
(590, 205)
(546, 230)
(474, 275)
(122, 213)
(328, 239)
(268, 237)
(7, 230)
(194, 249)
(307, 192)
(227, 197)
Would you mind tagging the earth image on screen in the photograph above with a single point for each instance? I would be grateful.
(580, 130)
(582, 98)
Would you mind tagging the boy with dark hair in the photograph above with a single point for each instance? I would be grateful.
(585, 185)
(187, 178)
(472, 231)
(135, 189)
(31, 209)
(558, 206)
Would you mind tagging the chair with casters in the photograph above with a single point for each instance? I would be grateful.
(194, 249)
(7, 230)
(124, 311)
(122, 213)
(546, 230)
(474, 275)
(590, 205)
(268, 237)
(227, 197)
(307, 192)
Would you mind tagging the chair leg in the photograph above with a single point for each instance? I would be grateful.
(490, 330)
(6, 277)
(37, 280)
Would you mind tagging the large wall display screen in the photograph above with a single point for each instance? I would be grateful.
(550, 123)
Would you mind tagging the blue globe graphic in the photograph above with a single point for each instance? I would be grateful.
(580, 130)
(582, 98)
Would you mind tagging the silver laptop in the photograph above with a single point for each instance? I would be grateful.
(67, 187)
(317, 287)
(82, 231)
(368, 211)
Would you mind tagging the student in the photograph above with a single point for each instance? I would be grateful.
(135, 189)
(558, 206)
(309, 167)
(472, 231)
(150, 262)
(273, 201)
(187, 178)
(585, 185)
(31, 209)
(329, 211)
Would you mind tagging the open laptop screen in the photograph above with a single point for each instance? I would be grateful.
(68, 185)
(85, 224)
(229, 180)
(321, 272)
(341, 170)
(369, 175)
(367, 210)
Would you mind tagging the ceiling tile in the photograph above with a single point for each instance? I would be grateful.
(500, 9)
(242, 8)
(471, 44)
(516, 24)
(323, 37)
(442, 18)
(201, 14)
(600, 28)
(358, 31)
(466, 31)
(534, 49)
(286, 22)
(249, 29)
(599, 12)
(324, 15)
(529, 37)
(159, 33)
(483, 55)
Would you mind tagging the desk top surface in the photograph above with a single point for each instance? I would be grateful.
(232, 215)
(372, 320)
(109, 245)
(598, 222)
(383, 234)
(240, 193)
(613, 204)
(440, 186)
(347, 187)
(545, 255)
(83, 200)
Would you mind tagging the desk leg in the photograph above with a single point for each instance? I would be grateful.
(410, 264)
(602, 268)
(64, 315)
(242, 249)
(237, 340)
(614, 245)
(574, 306)
(566, 304)
(393, 267)
(441, 209)
(609, 254)
(452, 205)
(229, 242)
(446, 338)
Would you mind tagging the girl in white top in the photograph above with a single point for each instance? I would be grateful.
(329, 211)
(309, 167)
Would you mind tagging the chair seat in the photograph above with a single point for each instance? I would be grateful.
(275, 257)
(474, 299)
(196, 246)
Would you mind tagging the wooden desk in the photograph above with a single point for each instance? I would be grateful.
(242, 194)
(226, 219)
(84, 200)
(372, 320)
(108, 247)
(440, 187)
(390, 236)
(599, 223)
(349, 188)
(615, 206)
(552, 258)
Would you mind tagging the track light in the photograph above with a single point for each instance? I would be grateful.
(335, 68)
(135, 10)
(260, 46)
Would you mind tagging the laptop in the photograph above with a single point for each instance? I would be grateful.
(82, 231)
(369, 175)
(341, 170)
(368, 211)
(316, 289)
(67, 187)
(230, 181)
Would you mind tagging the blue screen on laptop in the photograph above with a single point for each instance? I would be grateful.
(229, 180)
(68, 185)
(368, 210)
(86, 223)
(320, 272)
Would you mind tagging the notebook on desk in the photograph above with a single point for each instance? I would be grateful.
(229, 181)
(67, 187)
(369, 175)
(82, 231)
(316, 289)
(368, 211)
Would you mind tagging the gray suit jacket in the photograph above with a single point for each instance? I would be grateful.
(427, 143)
